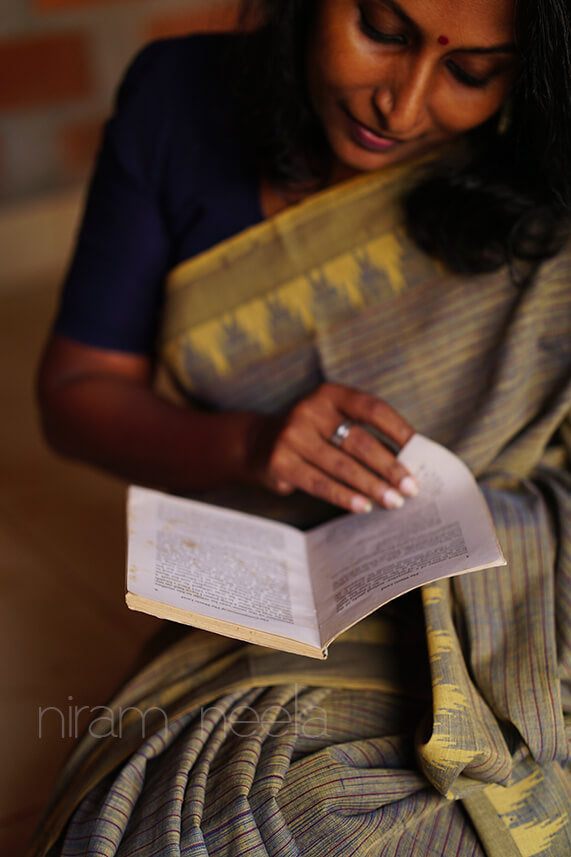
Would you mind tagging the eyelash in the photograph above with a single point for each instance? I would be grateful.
(376, 35)
(386, 39)
(465, 78)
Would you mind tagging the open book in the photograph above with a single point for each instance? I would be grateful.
(269, 583)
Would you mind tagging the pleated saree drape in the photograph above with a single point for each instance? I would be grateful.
(438, 725)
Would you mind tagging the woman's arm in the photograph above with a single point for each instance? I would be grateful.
(99, 406)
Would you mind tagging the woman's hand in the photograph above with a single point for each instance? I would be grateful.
(99, 406)
(295, 451)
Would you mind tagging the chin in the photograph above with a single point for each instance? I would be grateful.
(363, 161)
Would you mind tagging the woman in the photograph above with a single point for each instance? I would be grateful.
(308, 308)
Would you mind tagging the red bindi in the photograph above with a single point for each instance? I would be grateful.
(443, 40)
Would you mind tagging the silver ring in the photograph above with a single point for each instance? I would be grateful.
(341, 433)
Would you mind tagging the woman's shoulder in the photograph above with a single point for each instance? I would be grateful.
(174, 68)
(171, 105)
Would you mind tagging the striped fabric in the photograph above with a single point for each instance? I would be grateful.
(438, 725)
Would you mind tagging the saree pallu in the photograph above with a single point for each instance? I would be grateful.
(437, 726)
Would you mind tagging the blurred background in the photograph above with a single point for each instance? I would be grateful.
(67, 640)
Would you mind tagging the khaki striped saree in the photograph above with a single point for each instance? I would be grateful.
(437, 726)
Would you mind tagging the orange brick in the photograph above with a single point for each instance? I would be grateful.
(218, 18)
(41, 70)
(79, 142)
(49, 5)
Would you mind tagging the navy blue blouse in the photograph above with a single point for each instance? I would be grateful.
(170, 181)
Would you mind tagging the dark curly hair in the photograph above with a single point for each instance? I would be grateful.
(509, 201)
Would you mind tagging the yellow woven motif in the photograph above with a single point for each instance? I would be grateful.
(291, 313)
(232, 307)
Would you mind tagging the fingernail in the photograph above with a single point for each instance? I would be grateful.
(361, 505)
(408, 486)
(392, 499)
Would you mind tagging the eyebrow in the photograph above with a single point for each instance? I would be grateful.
(399, 12)
(506, 48)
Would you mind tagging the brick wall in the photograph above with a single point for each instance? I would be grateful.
(60, 61)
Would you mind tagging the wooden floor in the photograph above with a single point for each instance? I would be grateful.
(67, 640)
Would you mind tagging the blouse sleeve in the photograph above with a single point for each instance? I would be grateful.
(112, 291)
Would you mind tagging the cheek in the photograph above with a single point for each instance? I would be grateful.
(457, 114)
(338, 64)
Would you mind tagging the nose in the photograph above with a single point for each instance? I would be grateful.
(401, 100)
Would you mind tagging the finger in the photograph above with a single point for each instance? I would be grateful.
(293, 470)
(372, 451)
(319, 484)
(311, 446)
(347, 470)
(365, 448)
(370, 410)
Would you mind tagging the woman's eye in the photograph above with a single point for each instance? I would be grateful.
(376, 35)
(465, 77)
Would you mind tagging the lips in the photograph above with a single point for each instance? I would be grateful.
(368, 139)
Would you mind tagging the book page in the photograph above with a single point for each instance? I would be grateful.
(221, 564)
(360, 562)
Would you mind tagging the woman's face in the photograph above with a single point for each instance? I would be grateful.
(392, 79)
